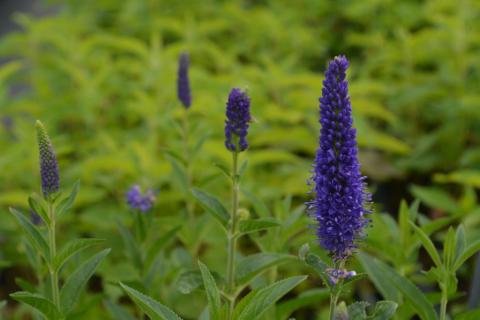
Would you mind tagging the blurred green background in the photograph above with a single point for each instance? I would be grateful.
(101, 75)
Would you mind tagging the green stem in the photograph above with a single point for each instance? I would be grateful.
(53, 254)
(336, 291)
(443, 306)
(232, 241)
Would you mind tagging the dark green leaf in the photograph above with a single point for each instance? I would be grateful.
(254, 225)
(259, 300)
(384, 310)
(117, 312)
(42, 305)
(428, 245)
(306, 298)
(72, 248)
(36, 239)
(469, 251)
(38, 209)
(66, 203)
(251, 266)
(154, 309)
(213, 295)
(75, 283)
(212, 205)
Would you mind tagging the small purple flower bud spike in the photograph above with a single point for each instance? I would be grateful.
(48, 162)
(237, 123)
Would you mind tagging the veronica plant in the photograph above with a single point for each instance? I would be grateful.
(223, 301)
(341, 202)
(51, 299)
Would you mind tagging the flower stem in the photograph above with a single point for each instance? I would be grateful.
(443, 305)
(333, 305)
(232, 237)
(53, 253)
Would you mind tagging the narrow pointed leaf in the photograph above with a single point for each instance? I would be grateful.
(428, 245)
(469, 251)
(38, 302)
(38, 209)
(212, 205)
(132, 249)
(460, 242)
(251, 266)
(254, 225)
(154, 309)
(260, 300)
(72, 248)
(117, 312)
(74, 284)
(213, 295)
(36, 239)
(66, 203)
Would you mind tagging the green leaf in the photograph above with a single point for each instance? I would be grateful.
(189, 281)
(251, 266)
(386, 288)
(36, 239)
(428, 245)
(316, 263)
(306, 298)
(460, 242)
(154, 309)
(67, 202)
(117, 312)
(469, 315)
(435, 198)
(255, 304)
(254, 225)
(158, 245)
(38, 302)
(449, 247)
(417, 299)
(75, 283)
(469, 251)
(358, 310)
(132, 249)
(72, 248)
(213, 295)
(179, 173)
(38, 209)
(212, 205)
(384, 310)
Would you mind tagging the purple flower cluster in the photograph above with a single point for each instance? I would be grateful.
(341, 199)
(238, 118)
(183, 84)
(334, 275)
(48, 162)
(138, 201)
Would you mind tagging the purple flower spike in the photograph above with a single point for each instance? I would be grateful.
(48, 162)
(138, 201)
(341, 200)
(237, 123)
(183, 83)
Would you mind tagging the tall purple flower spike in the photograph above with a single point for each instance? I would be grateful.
(48, 162)
(237, 123)
(341, 201)
(183, 83)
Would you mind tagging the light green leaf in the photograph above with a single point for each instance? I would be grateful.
(75, 283)
(469, 251)
(213, 295)
(212, 205)
(358, 310)
(72, 248)
(36, 239)
(415, 297)
(154, 309)
(158, 245)
(254, 225)
(67, 202)
(42, 305)
(316, 263)
(386, 288)
(258, 301)
(428, 245)
(460, 242)
(251, 266)
(435, 198)
(449, 249)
